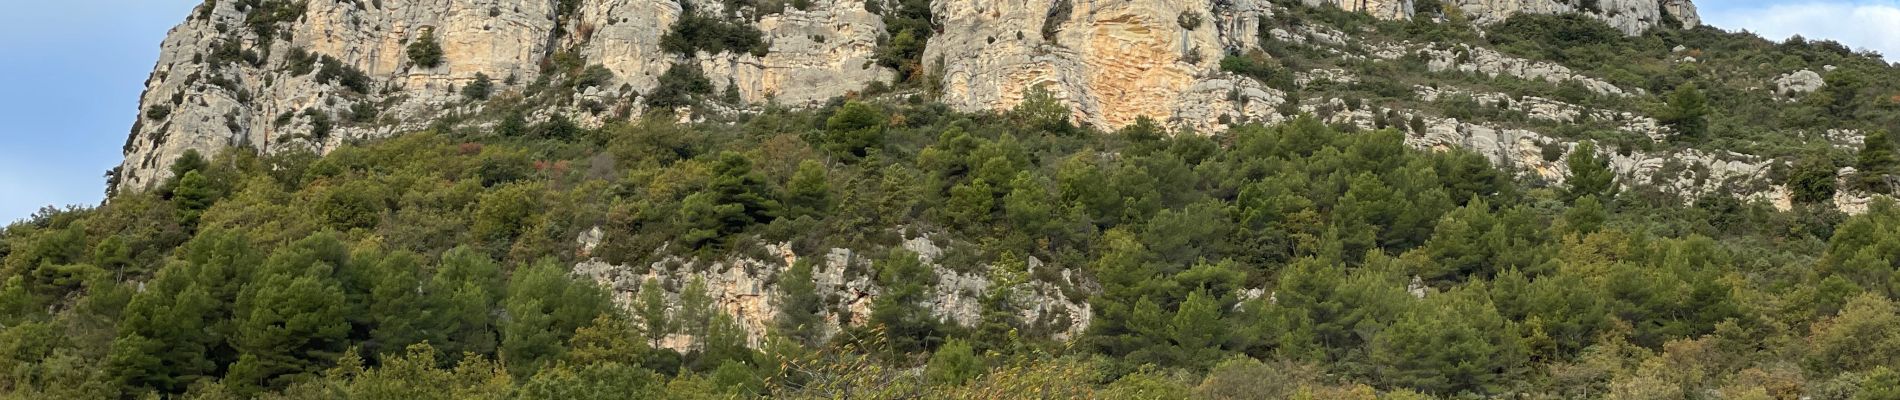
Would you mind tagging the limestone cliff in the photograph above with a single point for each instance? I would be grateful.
(312, 74)
(1630, 16)
(316, 73)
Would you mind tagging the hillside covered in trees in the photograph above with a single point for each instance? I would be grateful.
(1288, 261)
(1546, 207)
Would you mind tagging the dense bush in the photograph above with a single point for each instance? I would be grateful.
(424, 51)
(268, 274)
(683, 84)
(907, 28)
(695, 32)
(478, 89)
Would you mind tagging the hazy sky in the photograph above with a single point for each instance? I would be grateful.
(70, 76)
(71, 72)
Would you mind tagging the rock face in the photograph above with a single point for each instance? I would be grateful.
(747, 289)
(1798, 82)
(1630, 16)
(315, 74)
(1386, 9)
(1114, 61)
(220, 82)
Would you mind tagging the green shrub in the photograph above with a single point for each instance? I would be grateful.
(1189, 20)
(425, 52)
(158, 112)
(694, 33)
(679, 86)
(1058, 14)
(907, 30)
(479, 88)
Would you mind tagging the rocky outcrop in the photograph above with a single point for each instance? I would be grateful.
(316, 74)
(220, 83)
(1550, 110)
(1114, 62)
(1384, 9)
(1630, 16)
(747, 289)
(1687, 173)
(1797, 83)
(1479, 60)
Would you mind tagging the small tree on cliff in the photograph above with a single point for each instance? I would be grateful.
(1876, 161)
(1589, 176)
(425, 52)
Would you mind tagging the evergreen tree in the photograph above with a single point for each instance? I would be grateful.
(480, 88)
(1589, 176)
(1453, 343)
(610, 338)
(969, 204)
(1198, 330)
(1812, 180)
(176, 333)
(907, 325)
(545, 307)
(188, 162)
(464, 292)
(854, 130)
(425, 52)
(694, 316)
(734, 200)
(395, 319)
(193, 195)
(290, 321)
(652, 310)
(953, 364)
(1687, 112)
(809, 192)
(1028, 205)
(1876, 161)
(1586, 216)
(800, 316)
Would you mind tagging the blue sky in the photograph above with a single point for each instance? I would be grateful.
(70, 76)
(72, 71)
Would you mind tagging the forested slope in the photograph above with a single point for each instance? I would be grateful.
(1221, 200)
(1295, 260)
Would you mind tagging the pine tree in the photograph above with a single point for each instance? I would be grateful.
(463, 293)
(1585, 216)
(291, 319)
(193, 195)
(1812, 180)
(734, 200)
(610, 338)
(480, 88)
(1198, 330)
(395, 320)
(969, 204)
(1687, 112)
(1876, 161)
(1029, 205)
(425, 52)
(1456, 342)
(854, 130)
(694, 316)
(801, 310)
(809, 192)
(652, 308)
(1589, 176)
(545, 307)
(953, 364)
(907, 325)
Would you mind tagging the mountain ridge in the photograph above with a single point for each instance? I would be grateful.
(227, 76)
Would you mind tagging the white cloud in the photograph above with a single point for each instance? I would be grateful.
(1874, 26)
